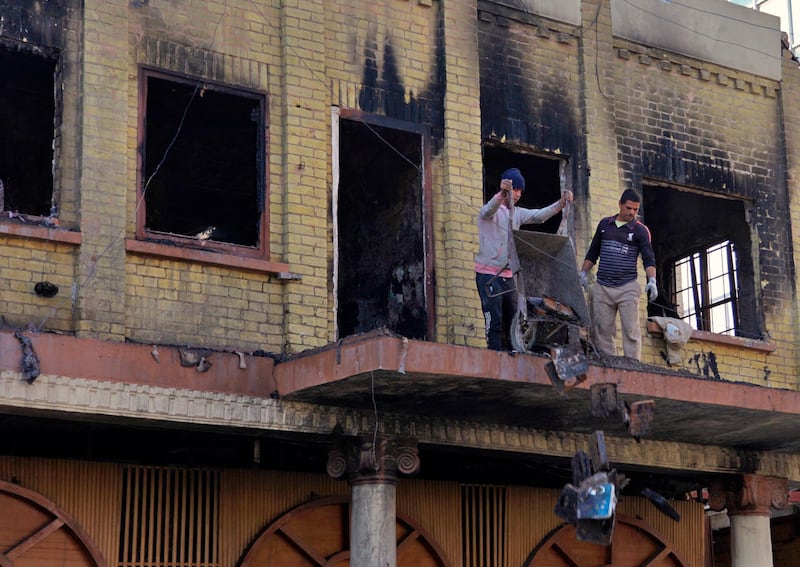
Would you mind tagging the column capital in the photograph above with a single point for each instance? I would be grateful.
(364, 459)
(748, 494)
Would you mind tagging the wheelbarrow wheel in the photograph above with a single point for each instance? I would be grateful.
(522, 333)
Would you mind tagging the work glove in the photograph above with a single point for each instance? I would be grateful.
(584, 280)
(651, 289)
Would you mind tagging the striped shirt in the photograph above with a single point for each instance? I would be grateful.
(618, 248)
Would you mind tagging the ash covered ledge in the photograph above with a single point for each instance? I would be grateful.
(393, 374)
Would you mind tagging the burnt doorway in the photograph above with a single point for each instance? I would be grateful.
(382, 226)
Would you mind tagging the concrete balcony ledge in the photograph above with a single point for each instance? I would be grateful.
(422, 380)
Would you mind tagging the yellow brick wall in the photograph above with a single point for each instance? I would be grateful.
(104, 180)
(26, 262)
(458, 192)
(185, 302)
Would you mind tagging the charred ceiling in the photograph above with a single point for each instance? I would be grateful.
(199, 447)
(35, 23)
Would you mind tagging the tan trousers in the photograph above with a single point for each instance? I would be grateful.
(606, 302)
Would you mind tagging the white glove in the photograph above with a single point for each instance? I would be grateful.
(584, 280)
(651, 289)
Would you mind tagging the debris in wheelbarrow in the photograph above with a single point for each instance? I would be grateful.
(543, 323)
(558, 309)
(551, 307)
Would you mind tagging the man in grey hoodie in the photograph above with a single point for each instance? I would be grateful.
(493, 274)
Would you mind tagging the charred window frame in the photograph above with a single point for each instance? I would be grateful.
(202, 172)
(703, 243)
(706, 288)
(28, 112)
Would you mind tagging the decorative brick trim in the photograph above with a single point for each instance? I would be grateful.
(199, 62)
(123, 402)
(701, 70)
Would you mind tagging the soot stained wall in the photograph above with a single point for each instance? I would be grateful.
(697, 129)
(527, 96)
(384, 92)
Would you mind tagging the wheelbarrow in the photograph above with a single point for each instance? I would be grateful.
(555, 316)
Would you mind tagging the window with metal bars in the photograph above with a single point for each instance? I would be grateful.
(706, 288)
(483, 521)
(169, 517)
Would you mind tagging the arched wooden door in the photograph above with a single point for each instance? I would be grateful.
(318, 534)
(34, 532)
(634, 545)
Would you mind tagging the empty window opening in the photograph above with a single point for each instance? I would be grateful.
(703, 249)
(203, 163)
(381, 270)
(27, 126)
(542, 181)
(706, 285)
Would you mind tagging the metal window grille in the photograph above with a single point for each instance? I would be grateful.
(169, 518)
(483, 521)
(706, 288)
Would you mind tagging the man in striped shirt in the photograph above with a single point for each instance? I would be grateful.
(618, 242)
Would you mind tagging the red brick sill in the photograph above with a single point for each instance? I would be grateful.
(40, 232)
(206, 257)
(705, 336)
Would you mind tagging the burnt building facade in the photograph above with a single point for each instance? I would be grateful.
(238, 291)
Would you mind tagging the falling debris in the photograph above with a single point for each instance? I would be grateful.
(661, 503)
(30, 360)
(637, 417)
(568, 367)
(154, 352)
(604, 399)
(589, 502)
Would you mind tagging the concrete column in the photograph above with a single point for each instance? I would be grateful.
(372, 524)
(749, 499)
(751, 541)
(371, 466)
